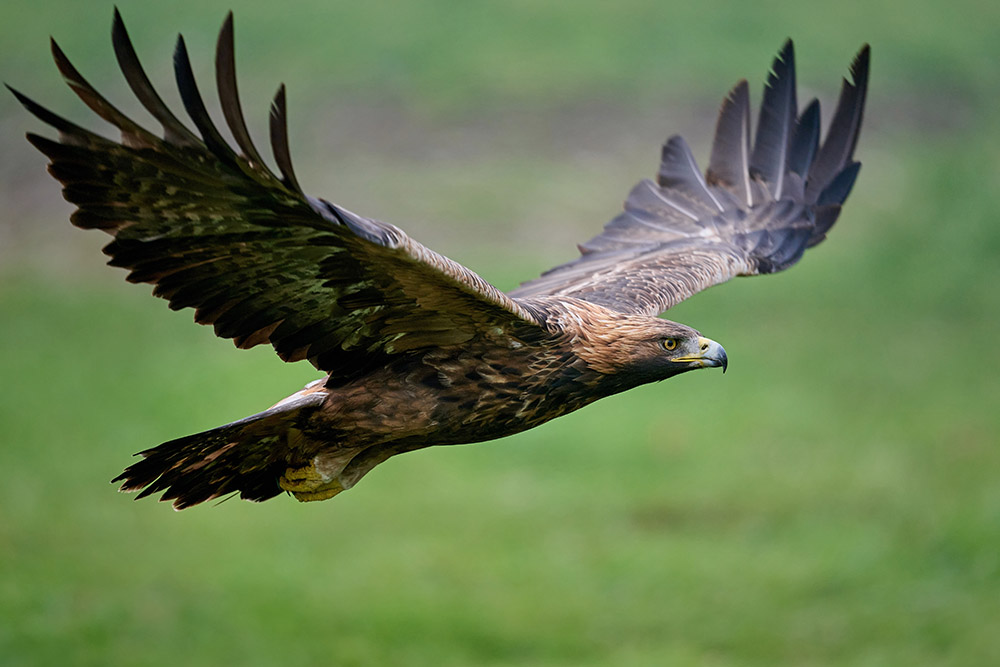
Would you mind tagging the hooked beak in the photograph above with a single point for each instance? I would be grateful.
(709, 355)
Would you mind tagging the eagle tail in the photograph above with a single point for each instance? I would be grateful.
(246, 457)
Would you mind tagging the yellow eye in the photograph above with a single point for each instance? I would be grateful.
(669, 344)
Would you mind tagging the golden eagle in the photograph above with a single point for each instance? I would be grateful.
(420, 350)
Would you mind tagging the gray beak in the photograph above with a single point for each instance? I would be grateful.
(710, 354)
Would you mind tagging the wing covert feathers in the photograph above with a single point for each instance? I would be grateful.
(214, 229)
(756, 210)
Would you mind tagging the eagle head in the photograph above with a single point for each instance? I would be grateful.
(663, 349)
(630, 350)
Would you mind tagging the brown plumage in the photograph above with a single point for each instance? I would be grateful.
(418, 349)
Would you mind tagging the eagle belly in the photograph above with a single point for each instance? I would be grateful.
(446, 397)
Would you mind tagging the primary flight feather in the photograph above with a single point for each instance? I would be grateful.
(420, 350)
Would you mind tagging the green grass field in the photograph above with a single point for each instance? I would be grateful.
(833, 500)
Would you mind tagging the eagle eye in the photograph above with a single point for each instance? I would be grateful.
(669, 344)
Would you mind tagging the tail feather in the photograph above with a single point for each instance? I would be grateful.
(246, 457)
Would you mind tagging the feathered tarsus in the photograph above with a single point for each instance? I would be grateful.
(418, 349)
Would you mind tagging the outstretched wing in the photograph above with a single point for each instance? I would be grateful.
(755, 211)
(218, 231)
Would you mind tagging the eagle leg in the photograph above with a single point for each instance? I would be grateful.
(322, 478)
(331, 472)
(308, 483)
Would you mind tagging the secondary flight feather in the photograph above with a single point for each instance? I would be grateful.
(419, 350)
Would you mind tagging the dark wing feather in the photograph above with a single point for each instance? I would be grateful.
(217, 231)
(225, 78)
(174, 131)
(769, 161)
(682, 183)
(755, 212)
(279, 139)
(729, 165)
(805, 141)
(842, 137)
(195, 107)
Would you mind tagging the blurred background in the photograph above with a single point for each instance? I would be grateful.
(833, 500)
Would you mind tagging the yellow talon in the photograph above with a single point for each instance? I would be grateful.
(320, 494)
(307, 484)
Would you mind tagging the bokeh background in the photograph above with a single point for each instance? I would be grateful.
(833, 500)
